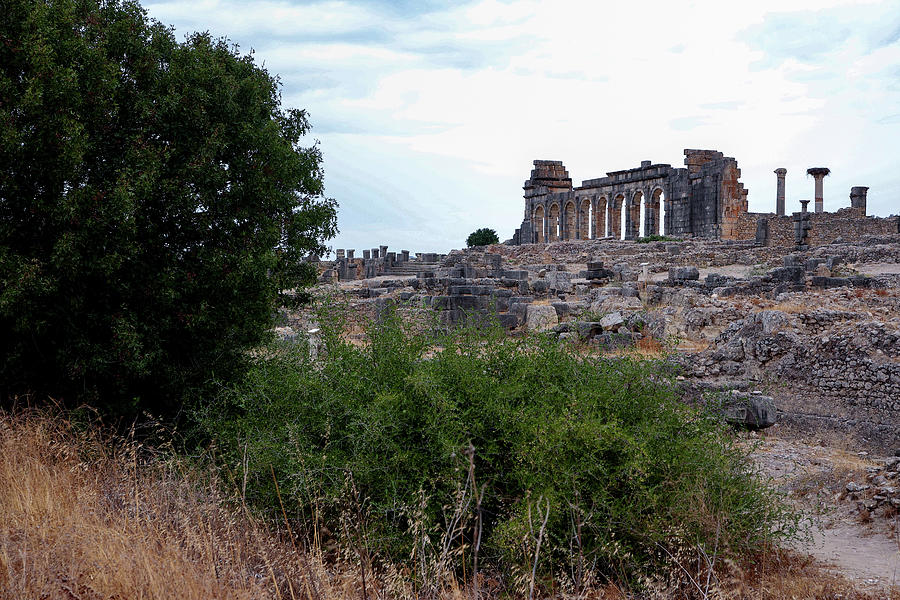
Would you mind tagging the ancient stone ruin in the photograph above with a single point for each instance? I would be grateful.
(377, 262)
(705, 199)
(700, 200)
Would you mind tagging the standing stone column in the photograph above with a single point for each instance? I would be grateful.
(779, 191)
(858, 198)
(819, 173)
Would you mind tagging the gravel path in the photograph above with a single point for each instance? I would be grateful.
(861, 546)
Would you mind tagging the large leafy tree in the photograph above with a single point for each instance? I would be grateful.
(155, 198)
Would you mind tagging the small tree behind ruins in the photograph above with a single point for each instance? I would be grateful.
(482, 237)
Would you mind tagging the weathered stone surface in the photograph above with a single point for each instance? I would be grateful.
(588, 329)
(563, 309)
(753, 412)
(684, 274)
(540, 317)
(611, 321)
(614, 303)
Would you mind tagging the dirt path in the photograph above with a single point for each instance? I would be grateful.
(860, 555)
(847, 538)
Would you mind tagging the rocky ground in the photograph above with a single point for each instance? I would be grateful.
(853, 525)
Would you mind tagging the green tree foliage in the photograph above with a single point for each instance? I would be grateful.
(154, 201)
(482, 237)
(630, 474)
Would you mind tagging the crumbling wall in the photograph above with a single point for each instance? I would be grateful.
(847, 223)
(826, 369)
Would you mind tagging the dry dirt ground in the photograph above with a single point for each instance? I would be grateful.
(843, 534)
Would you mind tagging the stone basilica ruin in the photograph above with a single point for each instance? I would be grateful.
(701, 200)
(705, 199)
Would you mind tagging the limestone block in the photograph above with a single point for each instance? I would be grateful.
(612, 321)
(684, 274)
(616, 303)
(540, 317)
(563, 309)
(508, 320)
(540, 286)
(752, 412)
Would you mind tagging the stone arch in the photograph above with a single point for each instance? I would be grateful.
(654, 218)
(537, 220)
(553, 223)
(584, 219)
(569, 228)
(633, 216)
(600, 217)
(616, 216)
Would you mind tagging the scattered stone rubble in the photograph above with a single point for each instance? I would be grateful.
(880, 494)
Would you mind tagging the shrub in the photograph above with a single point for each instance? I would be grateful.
(154, 201)
(482, 237)
(434, 444)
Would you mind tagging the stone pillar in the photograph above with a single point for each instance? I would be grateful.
(858, 198)
(801, 226)
(383, 251)
(405, 255)
(350, 253)
(374, 252)
(819, 173)
(779, 191)
(367, 254)
(339, 253)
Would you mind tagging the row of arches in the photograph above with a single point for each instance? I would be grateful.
(583, 219)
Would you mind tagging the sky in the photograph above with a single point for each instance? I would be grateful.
(429, 114)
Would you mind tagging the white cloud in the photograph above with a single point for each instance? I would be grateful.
(430, 121)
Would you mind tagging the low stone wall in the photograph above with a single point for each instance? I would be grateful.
(847, 223)
(826, 369)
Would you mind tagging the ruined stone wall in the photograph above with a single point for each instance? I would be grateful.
(704, 199)
(717, 197)
(827, 369)
(849, 380)
(847, 223)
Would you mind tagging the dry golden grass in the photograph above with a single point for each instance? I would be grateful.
(87, 517)
(784, 575)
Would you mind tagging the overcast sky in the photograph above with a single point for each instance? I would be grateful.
(429, 114)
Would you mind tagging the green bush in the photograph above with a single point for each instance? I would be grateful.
(482, 237)
(154, 201)
(408, 431)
